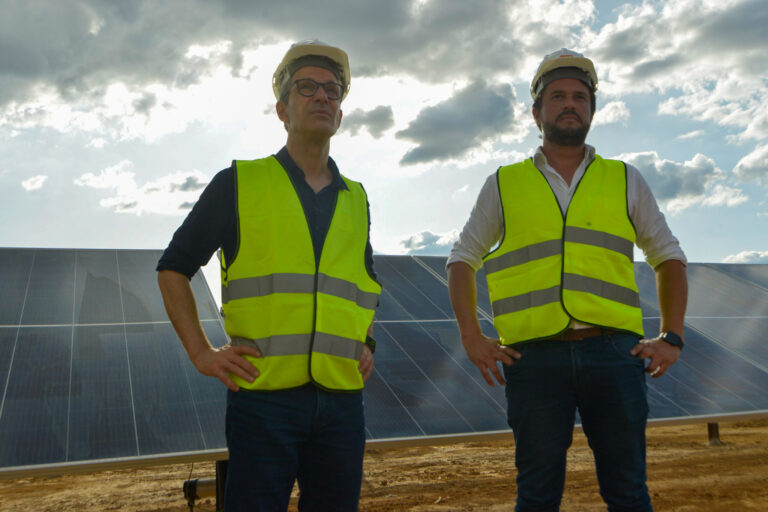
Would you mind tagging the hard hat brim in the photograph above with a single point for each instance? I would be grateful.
(582, 63)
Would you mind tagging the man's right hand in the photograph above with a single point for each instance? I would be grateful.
(220, 362)
(485, 353)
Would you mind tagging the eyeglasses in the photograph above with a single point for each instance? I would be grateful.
(308, 87)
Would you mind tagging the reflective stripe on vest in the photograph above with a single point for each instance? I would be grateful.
(553, 247)
(299, 344)
(309, 321)
(547, 270)
(297, 283)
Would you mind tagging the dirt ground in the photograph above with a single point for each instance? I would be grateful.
(685, 475)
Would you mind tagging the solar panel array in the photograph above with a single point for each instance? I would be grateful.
(91, 370)
(90, 367)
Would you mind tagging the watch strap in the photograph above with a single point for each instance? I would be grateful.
(371, 343)
(673, 339)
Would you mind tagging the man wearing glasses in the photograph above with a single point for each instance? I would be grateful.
(298, 296)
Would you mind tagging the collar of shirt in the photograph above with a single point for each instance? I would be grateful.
(540, 161)
(337, 182)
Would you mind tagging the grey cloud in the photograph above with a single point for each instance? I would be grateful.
(377, 121)
(626, 46)
(437, 39)
(656, 67)
(187, 205)
(740, 27)
(735, 33)
(451, 128)
(145, 103)
(190, 184)
(91, 43)
(427, 242)
(126, 207)
(669, 180)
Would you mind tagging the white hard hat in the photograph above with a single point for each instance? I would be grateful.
(312, 48)
(563, 58)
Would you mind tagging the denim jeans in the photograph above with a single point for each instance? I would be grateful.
(305, 434)
(600, 378)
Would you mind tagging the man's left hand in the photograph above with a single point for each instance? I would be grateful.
(366, 363)
(662, 355)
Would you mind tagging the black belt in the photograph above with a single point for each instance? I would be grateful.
(580, 334)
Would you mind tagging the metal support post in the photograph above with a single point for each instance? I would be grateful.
(713, 431)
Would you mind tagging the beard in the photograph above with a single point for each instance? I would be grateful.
(573, 136)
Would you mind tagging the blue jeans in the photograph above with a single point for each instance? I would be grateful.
(607, 385)
(305, 434)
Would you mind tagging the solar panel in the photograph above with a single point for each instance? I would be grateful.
(422, 366)
(92, 374)
(90, 368)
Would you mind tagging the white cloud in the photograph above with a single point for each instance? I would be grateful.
(427, 242)
(754, 166)
(720, 195)
(747, 112)
(116, 177)
(691, 135)
(566, 13)
(460, 191)
(34, 183)
(173, 194)
(613, 112)
(747, 257)
(98, 142)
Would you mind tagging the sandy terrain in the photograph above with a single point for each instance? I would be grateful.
(685, 474)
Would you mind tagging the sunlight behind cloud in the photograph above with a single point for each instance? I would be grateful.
(132, 109)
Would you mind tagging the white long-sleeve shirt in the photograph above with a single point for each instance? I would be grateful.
(485, 226)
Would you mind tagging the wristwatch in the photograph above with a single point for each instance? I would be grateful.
(672, 338)
(371, 343)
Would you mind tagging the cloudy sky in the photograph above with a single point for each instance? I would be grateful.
(115, 114)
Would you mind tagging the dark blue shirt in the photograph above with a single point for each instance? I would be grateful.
(212, 223)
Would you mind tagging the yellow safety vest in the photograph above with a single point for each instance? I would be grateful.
(548, 269)
(309, 321)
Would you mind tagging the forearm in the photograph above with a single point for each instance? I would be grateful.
(463, 293)
(672, 289)
(181, 307)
